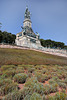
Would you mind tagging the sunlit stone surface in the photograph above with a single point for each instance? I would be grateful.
(27, 37)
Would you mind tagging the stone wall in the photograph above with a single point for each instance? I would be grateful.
(40, 49)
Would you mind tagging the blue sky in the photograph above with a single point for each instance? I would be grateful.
(49, 17)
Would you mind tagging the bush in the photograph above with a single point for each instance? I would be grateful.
(30, 75)
(5, 81)
(5, 67)
(44, 78)
(19, 70)
(62, 85)
(41, 78)
(44, 71)
(9, 73)
(7, 88)
(35, 96)
(27, 97)
(20, 78)
(43, 97)
(61, 96)
(51, 81)
(26, 91)
(50, 89)
(65, 80)
(31, 70)
(34, 85)
(16, 95)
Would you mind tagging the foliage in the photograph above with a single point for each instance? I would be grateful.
(35, 96)
(62, 85)
(41, 78)
(52, 44)
(31, 70)
(6, 37)
(20, 78)
(19, 70)
(58, 96)
(44, 80)
(50, 89)
(5, 67)
(27, 97)
(15, 95)
(9, 73)
(0, 25)
(51, 81)
(65, 80)
(7, 86)
(34, 85)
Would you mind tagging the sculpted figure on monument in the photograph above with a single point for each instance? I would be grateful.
(27, 13)
(38, 35)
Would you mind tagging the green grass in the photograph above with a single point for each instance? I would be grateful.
(17, 56)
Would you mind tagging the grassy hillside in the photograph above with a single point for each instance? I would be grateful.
(19, 80)
(17, 56)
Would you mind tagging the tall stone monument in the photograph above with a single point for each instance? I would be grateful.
(27, 37)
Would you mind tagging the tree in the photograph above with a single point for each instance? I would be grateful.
(0, 25)
(6, 37)
(52, 44)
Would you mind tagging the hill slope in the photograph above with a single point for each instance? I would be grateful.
(17, 56)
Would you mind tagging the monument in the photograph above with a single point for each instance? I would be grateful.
(27, 37)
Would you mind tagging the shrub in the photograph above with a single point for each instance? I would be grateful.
(26, 67)
(51, 81)
(20, 78)
(3, 76)
(1, 73)
(5, 67)
(53, 88)
(9, 73)
(15, 95)
(31, 70)
(26, 91)
(37, 67)
(7, 88)
(19, 70)
(30, 75)
(55, 79)
(43, 97)
(44, 78)
(5, 81)
(51, 98)
(62, 85)
(50, 89)
(27, 97)
(34, 85)
(41, 78)
(61, 96)
(35, 96)
(44, 71)
(65, 80)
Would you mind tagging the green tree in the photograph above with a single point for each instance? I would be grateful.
(52, 44)
(6, 37)
(0, 25)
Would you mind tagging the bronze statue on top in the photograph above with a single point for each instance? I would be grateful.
(27, 13)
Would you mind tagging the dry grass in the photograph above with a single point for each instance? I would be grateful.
(17, 56)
